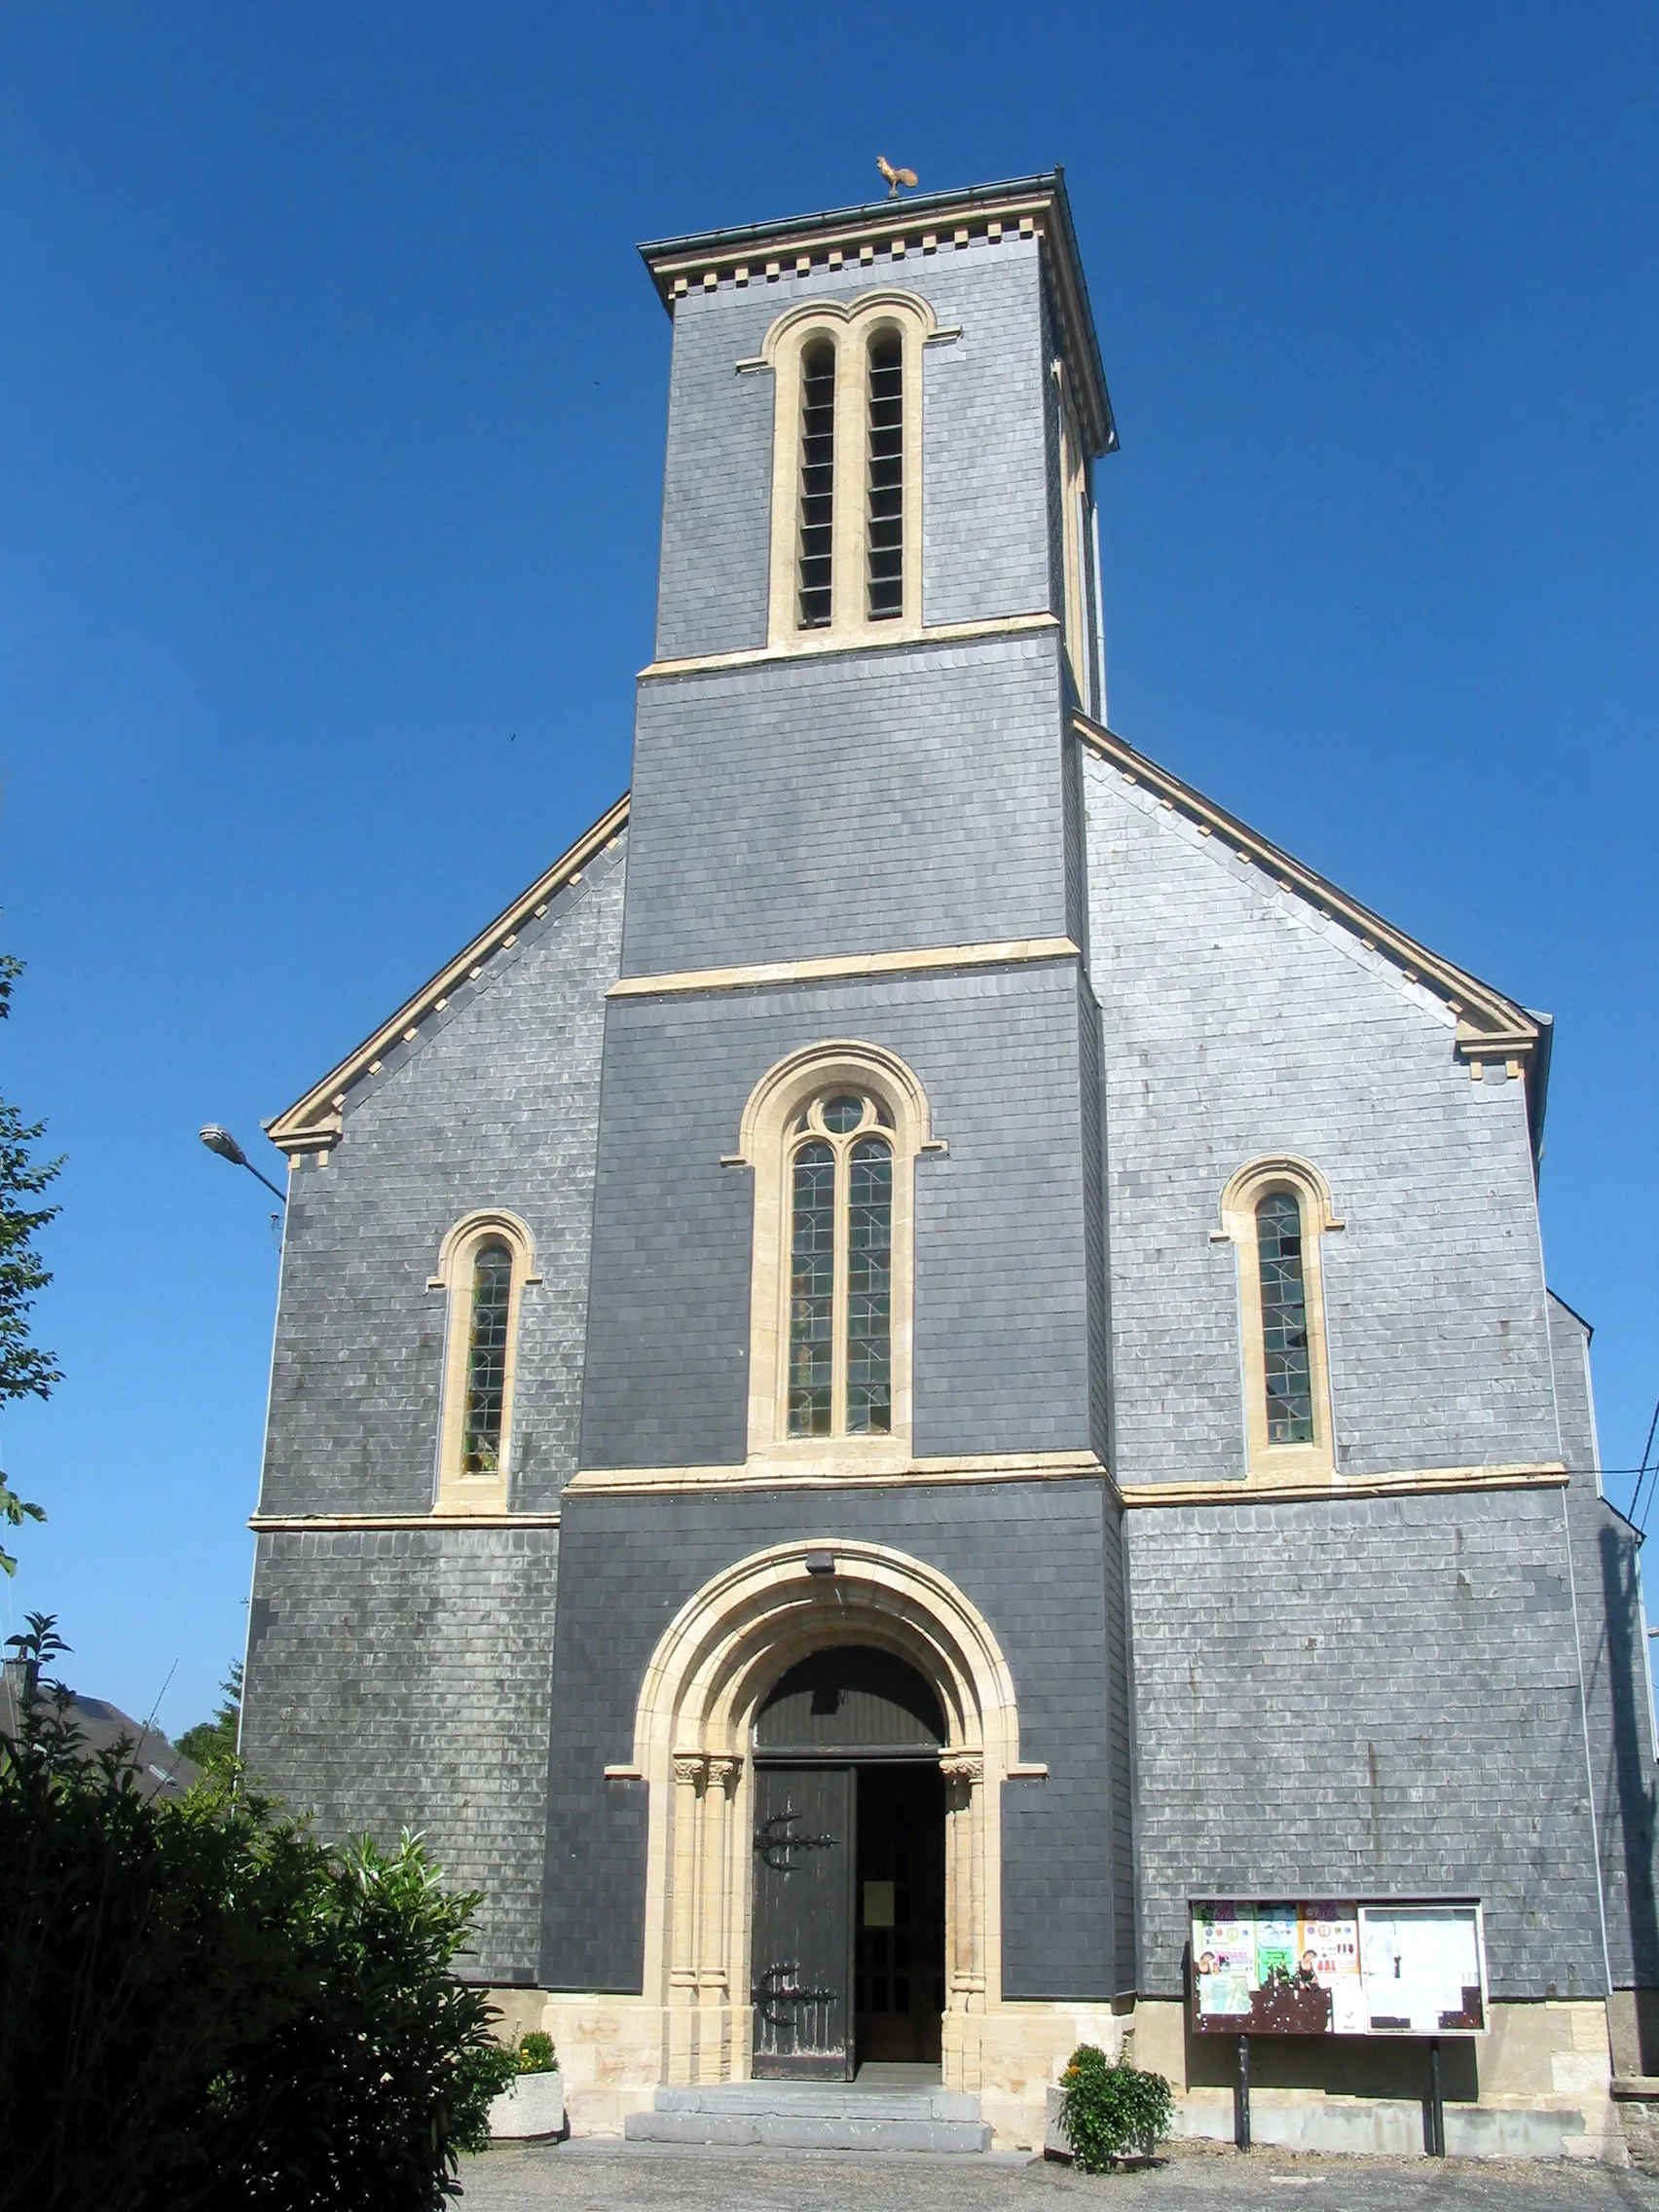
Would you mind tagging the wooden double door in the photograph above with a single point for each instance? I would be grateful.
(848, 1930)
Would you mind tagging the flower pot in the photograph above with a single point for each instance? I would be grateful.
(1056, 2143)
(532, 2107)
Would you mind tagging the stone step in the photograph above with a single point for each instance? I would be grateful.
(820, 2099)
(813, 2116)
(807, 2131)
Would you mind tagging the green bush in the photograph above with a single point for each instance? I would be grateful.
(204, 2007)
(1109, 2107)
(213, 1743)
(536, 2053)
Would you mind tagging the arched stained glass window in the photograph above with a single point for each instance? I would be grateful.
(817, 484)
(1287, 1369)
(487, 1359)
(886, 476)
(840, 1375)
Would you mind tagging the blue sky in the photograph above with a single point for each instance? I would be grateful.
(331, 421)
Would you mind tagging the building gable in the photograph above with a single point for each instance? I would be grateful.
(1491, 1027)
(314, 1122)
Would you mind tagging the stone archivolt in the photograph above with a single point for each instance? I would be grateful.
(705, 1682)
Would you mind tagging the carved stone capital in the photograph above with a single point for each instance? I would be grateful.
(963, 1766)
(690, 1766)
(723, 1770)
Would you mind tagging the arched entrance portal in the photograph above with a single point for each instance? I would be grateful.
(848, 1949)
(732, 1660)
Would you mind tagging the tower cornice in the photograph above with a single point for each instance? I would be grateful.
(885, 232)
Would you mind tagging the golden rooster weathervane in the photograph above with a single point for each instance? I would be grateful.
(895, 177)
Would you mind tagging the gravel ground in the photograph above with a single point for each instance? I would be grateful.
(609, 2176)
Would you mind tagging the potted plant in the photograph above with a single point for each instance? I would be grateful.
(533, 2105)
(1108, 2110)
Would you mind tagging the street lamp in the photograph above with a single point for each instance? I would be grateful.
(226, 1146)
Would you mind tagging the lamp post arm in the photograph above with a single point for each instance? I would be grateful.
(281, 1196)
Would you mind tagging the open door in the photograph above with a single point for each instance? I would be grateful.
(899, 1936)
(804, 1831)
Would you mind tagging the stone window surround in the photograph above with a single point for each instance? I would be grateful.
(1076, 527)
(849, 326)
(1271, 1466)
(766, 1145)
(452, 1491)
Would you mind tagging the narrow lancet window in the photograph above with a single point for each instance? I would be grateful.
(812, 1292)
(1287, 1372)
(869, 1289)
(487, 1360)
(886, 476)
(817, 484)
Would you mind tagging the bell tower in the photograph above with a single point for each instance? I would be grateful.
(856, 811)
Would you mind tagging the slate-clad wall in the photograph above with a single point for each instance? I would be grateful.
(1002, 1304)
(495, 1104)
(1092, 1132)
(1618, 1697)
(984, 519)
(1053, 470)
(401, 1678)
(1239, 1024)
(848, 804)
(1028, 1555)
(1118, 1747)
(1366, 1697)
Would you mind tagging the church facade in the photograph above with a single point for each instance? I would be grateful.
(930, 1352)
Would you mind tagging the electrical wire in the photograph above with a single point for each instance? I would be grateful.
(1646, 1454)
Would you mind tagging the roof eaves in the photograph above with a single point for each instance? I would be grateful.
(1538, 1085)
(1589, 1327)
(314, 1122)
(1491, 1025)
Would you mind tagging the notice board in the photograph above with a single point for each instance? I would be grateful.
(1338, 1967)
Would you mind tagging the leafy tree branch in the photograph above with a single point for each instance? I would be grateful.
(25, 1371)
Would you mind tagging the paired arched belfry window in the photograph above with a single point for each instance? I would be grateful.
(833, 1135)
(483, 1264)
(846, 474)
(840, 1359)
(1277, 1212)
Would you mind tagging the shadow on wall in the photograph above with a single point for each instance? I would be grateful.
(1631, 1773)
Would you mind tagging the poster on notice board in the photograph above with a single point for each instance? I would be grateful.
(1335, 1966)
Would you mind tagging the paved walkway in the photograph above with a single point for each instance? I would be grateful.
(609, 2176)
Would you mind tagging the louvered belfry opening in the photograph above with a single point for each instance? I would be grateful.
(886, 476)
(816, 483)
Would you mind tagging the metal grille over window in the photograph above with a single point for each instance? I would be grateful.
(1284, 1319)
(886, 476)
(840, 1375)
(487, 1360)
(817, 484)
